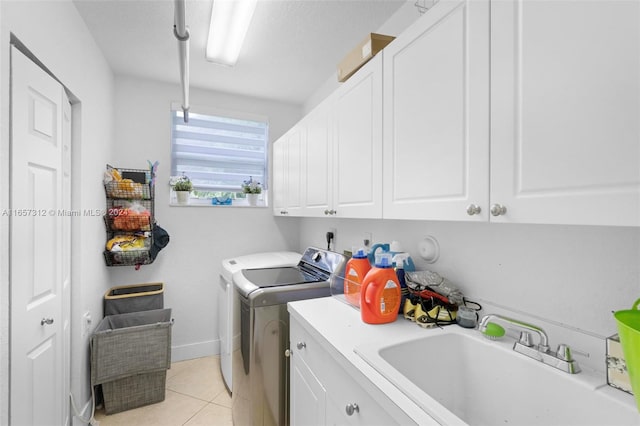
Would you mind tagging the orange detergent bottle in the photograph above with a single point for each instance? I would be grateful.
(380, 293)
(355, 271)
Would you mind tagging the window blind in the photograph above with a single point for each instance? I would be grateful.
(218, 153)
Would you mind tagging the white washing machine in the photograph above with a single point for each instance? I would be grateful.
(228, 306)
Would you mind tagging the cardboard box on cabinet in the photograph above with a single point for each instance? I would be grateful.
(361, 54)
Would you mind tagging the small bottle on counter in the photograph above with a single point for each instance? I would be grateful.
(380, 293)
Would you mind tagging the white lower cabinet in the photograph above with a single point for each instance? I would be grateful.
(308, 396)
(327, 389)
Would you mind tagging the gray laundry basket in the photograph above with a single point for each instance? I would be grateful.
(133, 298)
(130, 355)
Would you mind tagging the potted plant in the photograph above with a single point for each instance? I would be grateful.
(252, 189)
(183, 186)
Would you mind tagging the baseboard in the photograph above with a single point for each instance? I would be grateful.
(195, 350)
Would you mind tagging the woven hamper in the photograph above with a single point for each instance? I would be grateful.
(134, 391)
(133, 298)
(130, 354)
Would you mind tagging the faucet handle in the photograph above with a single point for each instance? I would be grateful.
(525, 339)
(564, 352)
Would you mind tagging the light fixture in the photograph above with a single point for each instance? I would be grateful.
(230, 20)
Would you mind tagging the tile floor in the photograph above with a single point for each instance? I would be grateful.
(195, 396)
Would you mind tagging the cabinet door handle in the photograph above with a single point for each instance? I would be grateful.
(352, 408)
(473, 209)
(301, 345)
(498, 210)
(47, 321)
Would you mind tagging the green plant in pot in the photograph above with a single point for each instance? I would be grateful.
(183, 187)
(252, 189)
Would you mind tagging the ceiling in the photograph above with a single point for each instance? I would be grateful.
(291, 48)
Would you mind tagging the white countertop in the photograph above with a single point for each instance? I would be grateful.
(341, 330)
(341, 327)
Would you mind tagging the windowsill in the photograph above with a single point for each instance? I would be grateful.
(259, 206)
(197, 202)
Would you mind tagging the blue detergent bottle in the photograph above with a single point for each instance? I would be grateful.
(399, 261)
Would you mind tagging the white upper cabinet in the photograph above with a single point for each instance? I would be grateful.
(288, 154)
(436, 115)
(318, 189)
(356, 126)
(565, 111)
(511, 111)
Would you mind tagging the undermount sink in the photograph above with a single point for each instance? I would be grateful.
(459, 377)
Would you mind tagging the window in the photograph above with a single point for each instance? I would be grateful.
(219, 152)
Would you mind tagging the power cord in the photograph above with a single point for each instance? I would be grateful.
(329, 239)
(91, 421)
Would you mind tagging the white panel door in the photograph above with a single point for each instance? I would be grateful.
(565, 108)
(357, 144)
(39, 246)
(436, 115)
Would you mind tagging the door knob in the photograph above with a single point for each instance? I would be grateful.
(47, 321)
(301, 345)
(473, 209)
(498, 210)
(352, 408)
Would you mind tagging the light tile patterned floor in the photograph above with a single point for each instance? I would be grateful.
(195, 396)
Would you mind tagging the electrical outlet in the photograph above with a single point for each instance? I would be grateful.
(86, 323)
(368, 239)
(335, 237)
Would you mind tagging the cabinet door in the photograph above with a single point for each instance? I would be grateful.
(436, 115)
(295, 167)
(565, 102)
(279, 173)
(287, 172)
(319, 176)
(308, 396)
(357, 143)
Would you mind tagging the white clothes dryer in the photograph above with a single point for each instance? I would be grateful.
(229, 313)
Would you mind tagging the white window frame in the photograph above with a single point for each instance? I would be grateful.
(233, 114)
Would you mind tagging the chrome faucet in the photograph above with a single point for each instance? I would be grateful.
(561, 359)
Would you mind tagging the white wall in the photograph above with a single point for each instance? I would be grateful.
(201, 237)
(571, 276)
(394, 26)
(58, 37)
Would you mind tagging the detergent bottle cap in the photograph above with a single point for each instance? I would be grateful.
(399, 260)
(395, 246)
(384, 260)
(359, 253)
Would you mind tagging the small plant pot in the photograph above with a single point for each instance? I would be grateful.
(183, 197)
(252, 199)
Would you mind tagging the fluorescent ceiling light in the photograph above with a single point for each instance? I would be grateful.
(230, 20)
